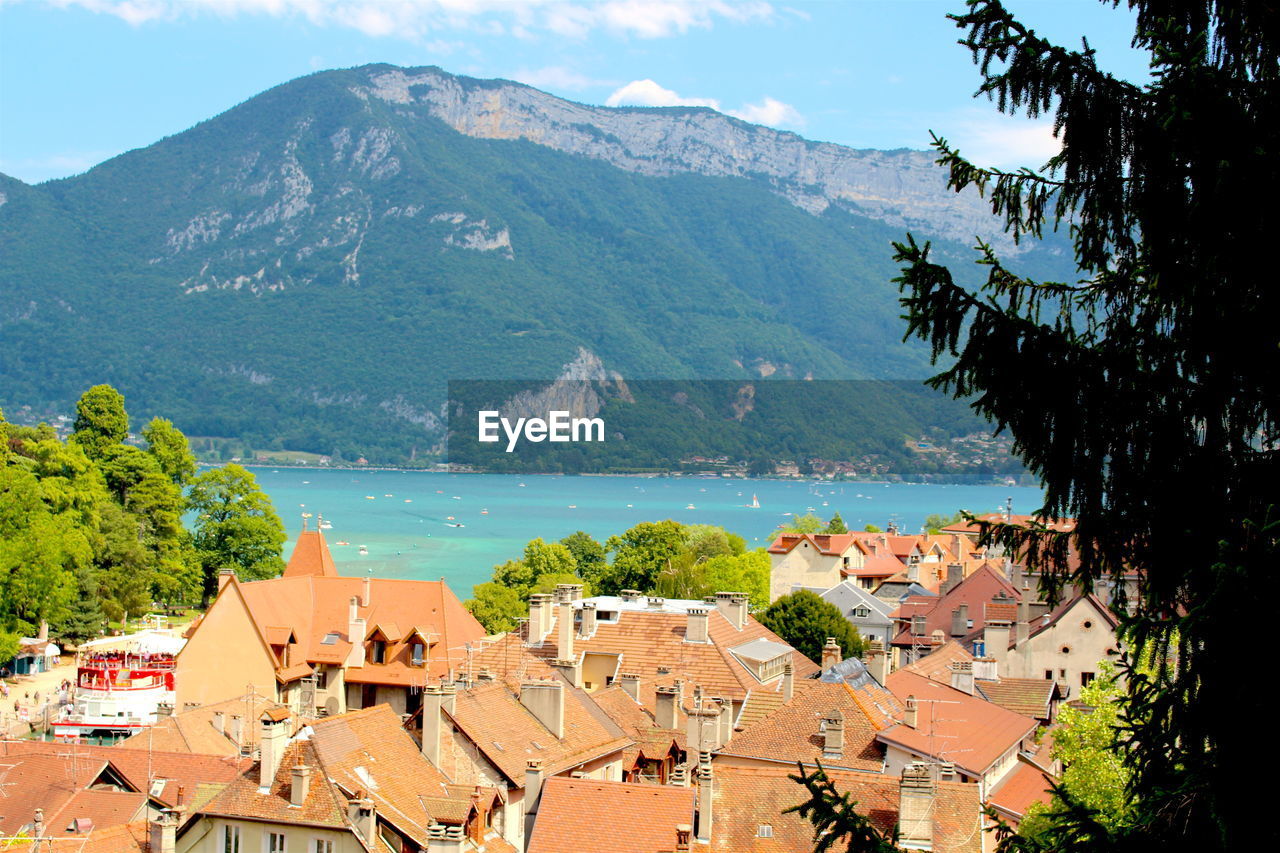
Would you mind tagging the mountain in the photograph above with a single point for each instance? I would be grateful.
(312, 266)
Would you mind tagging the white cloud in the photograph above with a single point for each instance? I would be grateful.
(33, 170)
(412, 19)
(646, 93)
(770, 111)
(555, 77)
(990, 139)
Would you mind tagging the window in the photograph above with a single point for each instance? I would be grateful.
(275, 842)
(1048, 675)
(1087, 624)
(416, 652)
(323, 845)
(765, 831)
(379, 651)
(330, 638)
(322, 678)
(862, 612)
(230, 839)
(1085, 678)
(1066, 650)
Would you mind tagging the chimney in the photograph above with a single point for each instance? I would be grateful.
(705, 794)
(733, 605)
(683, 834)
(532, 784)
(831, 654)
(364, 817)
(703, 729)
(224, 577)
(668, 706)
(366, 594)
(587, 628)
(539, 616)
(878, 661)
(436, 699)
(445, 839)
(163, 832)
(631, 595)
(913, 571)
(299, 785)
(995, 642)
(957, 546)
(219, 723)
(37, 824)
(962, 676)
(567, 592)
(1016, 578)
(236, 729)
(570, 668)
(695, 630)
(833, 734)
(1023, 629)
(726, 722)
(960, 620)
(788, 681)
(272, 741)
(955, 574)
(565, 646)
(545, 700)
(911, 713)
(984, 669)
(630, 684)
(355, 634)
(915, 808)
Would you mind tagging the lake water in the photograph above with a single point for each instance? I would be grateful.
(404, 518)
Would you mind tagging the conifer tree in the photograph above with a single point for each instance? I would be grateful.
(1151, 377)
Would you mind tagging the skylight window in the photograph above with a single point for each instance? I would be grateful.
(330, 639)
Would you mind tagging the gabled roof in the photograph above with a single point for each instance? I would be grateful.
(316, 606)
(977, 591)
(310, 557)
(953, 726)
(790, 733)
(131, 837)
(1024, 785)
(848, 596)
(324, 806)
(638, 725)
(508, 734)
(748, 798)
(936, 666)
(652, 645)
(1030, 697)
(195, 731)
(827, 544)
(46, 781)
(370, 751)
(640, 818)
(971, 527)
(96, 808)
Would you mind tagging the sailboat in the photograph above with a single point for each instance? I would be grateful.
(755, 502)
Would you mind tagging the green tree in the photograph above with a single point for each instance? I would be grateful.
(101, 420)
(707, 540)
(9, 646)
(496, 607)
(935, 522)
(171, 450)
(539, 559)
(639, 555)
(588, 554)
(837, 525)
(747, 573)
(807, 523)
(235, 527)
(805, 620)
(1118, 389)
(871, 528)
(84, 618)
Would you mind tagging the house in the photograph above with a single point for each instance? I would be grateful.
(872, 616)
(1063, 645)
(593, 816)
(977, 740)
(322, 644)
(748, 809)
(953, 664)
(960, 611)
(810, 560)
(35, 654)
(677, 649)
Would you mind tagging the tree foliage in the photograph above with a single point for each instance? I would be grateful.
(805, 620)
(1153, 371)
(101, 421)
(235, 527)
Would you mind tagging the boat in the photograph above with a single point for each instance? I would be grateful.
(455, 524)
(121, 682)
(364, 549)
(484, 512)
(408, 500)
(573, 506)
(755, 502)
(691, 506)
(324, 525)
(370, 498)
(344, 543)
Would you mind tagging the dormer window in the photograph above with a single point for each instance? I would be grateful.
(378, 651)
(862, 612)
(417, 654)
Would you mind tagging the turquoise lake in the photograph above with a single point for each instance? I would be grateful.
(403, 517)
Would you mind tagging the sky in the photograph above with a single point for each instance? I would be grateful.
(84, 80)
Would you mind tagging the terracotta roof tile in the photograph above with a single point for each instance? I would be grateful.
(196, 731)
(745, 800)
(310, 557)
(46, 781)
(322, 807)
(123, 838)
(977, 591)
(1024, 785)
(936, 666)
(1027, 696)
(829, 544)
(591, 816)
(952, 725)
(98, 809)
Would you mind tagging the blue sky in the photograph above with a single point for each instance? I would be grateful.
(84, 80)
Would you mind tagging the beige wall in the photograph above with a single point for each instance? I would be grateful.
(803, 566)
(206, 836)
(1044, 652)
(225, 658)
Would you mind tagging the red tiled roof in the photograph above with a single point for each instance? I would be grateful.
(98, 808)
(1027, 696)
(790, 733)
(936, 666)
(977, 591)
(1024, 785)
(125, 838)
(953, 726)
(828, 544)
(311, 557)
(591, 816)
(745, 799)
(322, 807)
(637, 724)
(194, 731)
(45, 781)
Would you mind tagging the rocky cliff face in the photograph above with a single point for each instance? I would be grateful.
(901, 188)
